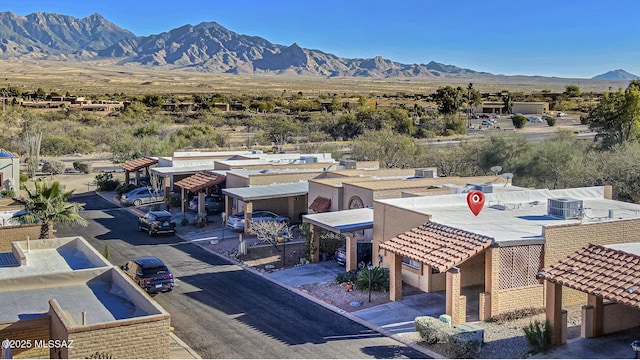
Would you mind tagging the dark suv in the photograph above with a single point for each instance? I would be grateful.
(150, 273)
(156, 222)
(364, 254)
(212, 204)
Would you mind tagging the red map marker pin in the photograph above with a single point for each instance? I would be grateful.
(475, 200)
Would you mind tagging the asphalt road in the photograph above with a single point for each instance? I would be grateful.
(224, 311)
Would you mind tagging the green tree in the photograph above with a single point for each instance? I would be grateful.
(153, 101)
(49, 205)
(572, 91)
(449, 99)
(616, 118)
(280, 130)
(519, 121)
(507, 99)
(390, 149)
(510, 151)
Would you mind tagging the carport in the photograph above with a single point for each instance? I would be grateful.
(195, 184)
(288, 199)
(609, 275)
(344, 222)
(135, 165)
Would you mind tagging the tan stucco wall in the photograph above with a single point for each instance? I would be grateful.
(326, 191)
(236, 181)
(619, 317)
(389, 221)
(350, 191)
(280, 178)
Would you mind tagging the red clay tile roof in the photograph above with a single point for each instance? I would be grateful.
(137, 164)
(438, 246)
(320, 204)
(199, 181)
(611, 274)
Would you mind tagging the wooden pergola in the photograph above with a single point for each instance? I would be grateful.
(195, 184)
(135, 165)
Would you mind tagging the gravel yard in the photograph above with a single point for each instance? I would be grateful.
(502, 340)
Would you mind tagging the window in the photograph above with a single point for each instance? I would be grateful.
(355, 203)
(410, 262)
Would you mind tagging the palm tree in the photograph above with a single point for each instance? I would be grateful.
(48, 205)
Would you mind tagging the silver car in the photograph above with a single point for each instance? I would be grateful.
(141, 196)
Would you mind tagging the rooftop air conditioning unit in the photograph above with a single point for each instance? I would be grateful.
(424, 173)
(565, 208)
(455, 189)
(484, 188)
(348, 164)
(309, 159)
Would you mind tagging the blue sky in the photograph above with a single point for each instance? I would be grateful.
(563, 38)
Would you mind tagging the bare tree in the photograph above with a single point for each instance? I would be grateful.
(31, 140)
(270, 231)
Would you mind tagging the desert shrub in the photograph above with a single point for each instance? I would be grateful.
(60, 145)
(53, 167)
(173, 200)
(515, 315)
(464, 345)
(452, 342)
(83, 166)
(124, 188)
(538, 335)
(7, 193)
(432, 330)
(350, 276)
(519, 121)
(106, 182)
(184, 222)
(379, 279)
(24, 178)
(551, 121)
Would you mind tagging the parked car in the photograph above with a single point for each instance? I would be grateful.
(212, 204)
(156, 222)
(534, 119)
(561, 114)
(495, 116)
(141, 196)
(236, 221)
(150, 273)
(487, 122)
(364, 254)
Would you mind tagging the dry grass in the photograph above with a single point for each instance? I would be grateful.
(106, 77)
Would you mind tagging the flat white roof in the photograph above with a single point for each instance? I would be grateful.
(268, 191)
(343, 221)
(516, 215)
(73, 273)
(181, 170)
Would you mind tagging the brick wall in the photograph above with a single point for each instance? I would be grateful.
(563, 240)
(144, 337)
(31, 330)
(9, 234)
(518, 298)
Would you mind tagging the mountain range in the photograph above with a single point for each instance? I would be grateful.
(616, 75)
(206, 47)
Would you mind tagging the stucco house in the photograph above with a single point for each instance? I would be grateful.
(489, 264)
(9, 170)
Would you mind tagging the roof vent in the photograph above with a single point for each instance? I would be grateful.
(565, 208)
(424, 173)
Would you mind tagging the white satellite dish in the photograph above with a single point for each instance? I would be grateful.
(496, 169)
(507, 176)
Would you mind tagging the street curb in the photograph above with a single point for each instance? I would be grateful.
(333, 308)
